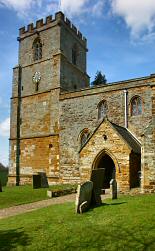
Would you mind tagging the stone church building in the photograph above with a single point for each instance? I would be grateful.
(63, 127)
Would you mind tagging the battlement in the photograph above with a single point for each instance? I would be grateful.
(49, 21)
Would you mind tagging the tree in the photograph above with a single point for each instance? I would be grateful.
(100, 79)
(2, 167)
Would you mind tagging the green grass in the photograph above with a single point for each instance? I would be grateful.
(12, 196)
(126, 224)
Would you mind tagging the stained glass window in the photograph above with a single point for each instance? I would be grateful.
(102, 110)
(84, 136)
(136, 106)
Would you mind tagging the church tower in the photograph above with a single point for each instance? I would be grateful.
(52, 59)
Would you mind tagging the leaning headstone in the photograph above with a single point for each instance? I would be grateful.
(0, 187)
(113, 188)
(97, 177)
(44, 181)
(36, 181)
(83, 197)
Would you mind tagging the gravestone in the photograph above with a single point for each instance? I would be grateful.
(0, 186)
(36, 181)
(113, 188)
(97, 177)
(40, 180)
(83, 197)
(44, 181)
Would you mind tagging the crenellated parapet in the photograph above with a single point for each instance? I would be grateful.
(47, 23)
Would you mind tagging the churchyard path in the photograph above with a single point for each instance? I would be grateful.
(20, 209)
(16, 210)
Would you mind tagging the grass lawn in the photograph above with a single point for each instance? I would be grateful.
(12, 196)
(126, 224)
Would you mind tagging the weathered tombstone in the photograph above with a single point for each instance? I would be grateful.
(83, 197)
(113, 188)
(40, 180)
(97, 177)
(0, 187)
(36, 181)
(44, 181)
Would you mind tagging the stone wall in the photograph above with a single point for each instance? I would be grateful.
(114, 146)
(68, 40)
(39, 136)
(50, 45)
(35, 115)
(47, 112)
(148, 150)
(79, 110)
(39, 115)
(72, 78)
(135, 170)
(39, 109)
(36, 155)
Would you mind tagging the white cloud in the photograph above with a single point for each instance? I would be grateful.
(97, 9)
(38, 8)
(79, 7)
(20, 6)
(74, 7)
(52, 7)
(16, 4)
(139, 15)
(5, 127)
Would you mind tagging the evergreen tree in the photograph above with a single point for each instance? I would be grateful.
(2, 167)
(100, 79)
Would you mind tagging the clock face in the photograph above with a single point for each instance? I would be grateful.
(36, 77)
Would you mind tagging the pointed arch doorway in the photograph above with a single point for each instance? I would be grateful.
(105, 161)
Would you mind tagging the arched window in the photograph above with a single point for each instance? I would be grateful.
(37, 49)
(136, 106)
(84, 136)
(74, 54)
(102, 110)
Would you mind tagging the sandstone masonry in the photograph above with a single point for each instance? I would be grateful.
(48, 121)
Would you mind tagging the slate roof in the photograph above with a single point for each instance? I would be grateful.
(128, 137)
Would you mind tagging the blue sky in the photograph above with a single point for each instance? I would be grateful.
(120, 33)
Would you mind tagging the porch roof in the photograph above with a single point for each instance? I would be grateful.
(125, 134)
(128, 137)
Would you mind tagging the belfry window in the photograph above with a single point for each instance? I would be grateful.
(37, 49)
(136, 106)
(74, 55)
(84, 136)
(102, 110)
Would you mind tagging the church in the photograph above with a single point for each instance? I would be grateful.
(63, 127)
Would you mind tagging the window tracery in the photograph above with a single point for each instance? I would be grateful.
(37, 49)
(84, 136)
(136, 106)
(102, 110)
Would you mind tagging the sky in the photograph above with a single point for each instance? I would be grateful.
(120, 34)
